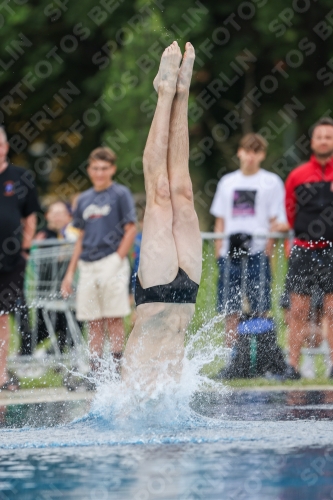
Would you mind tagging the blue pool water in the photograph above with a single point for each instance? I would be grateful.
(221, 445)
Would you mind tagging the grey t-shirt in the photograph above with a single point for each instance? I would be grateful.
(102, 215)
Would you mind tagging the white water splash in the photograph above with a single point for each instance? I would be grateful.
(169, 404)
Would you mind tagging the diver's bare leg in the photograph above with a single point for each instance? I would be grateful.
(149, 340)
(185, 221)
(159, 351)
(158, 255)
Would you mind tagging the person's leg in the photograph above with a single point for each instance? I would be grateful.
(169, 212)
(61, 328)
(326, 287)
(158, 257)
(185, 221)
(231, 324)
(328, 315)
(116, 331)
(298, 325)
(313, 338)
(42, 332)
(4, 346)
(258, 284)
(228, 298)
(314, 335)
(96, 342)
(24, 328)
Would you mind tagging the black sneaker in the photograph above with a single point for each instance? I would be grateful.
(291, 374)
(75, 382)
(72, 381)
(230, 372)
(90, 381)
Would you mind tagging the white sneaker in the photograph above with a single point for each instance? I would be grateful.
(40, 353)
(308, 367)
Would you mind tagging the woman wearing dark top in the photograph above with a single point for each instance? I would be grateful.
(18, 207)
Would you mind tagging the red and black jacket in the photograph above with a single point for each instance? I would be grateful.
(309, 203)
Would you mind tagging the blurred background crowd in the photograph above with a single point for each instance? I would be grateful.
(261, 67)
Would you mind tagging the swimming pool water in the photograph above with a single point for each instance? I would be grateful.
(242, 445)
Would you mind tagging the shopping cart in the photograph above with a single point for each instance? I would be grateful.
(47, 267)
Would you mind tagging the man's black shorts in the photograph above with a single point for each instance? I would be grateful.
(11, 287)
(310, 270)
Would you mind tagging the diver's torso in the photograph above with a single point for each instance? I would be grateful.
(163, 318)
(155, 347)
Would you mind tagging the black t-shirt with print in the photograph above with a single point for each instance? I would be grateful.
(18, 200)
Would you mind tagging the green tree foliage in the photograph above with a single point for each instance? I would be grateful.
(51, 82)
(262, 66)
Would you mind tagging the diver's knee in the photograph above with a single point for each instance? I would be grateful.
(162, 190)
(182, 190)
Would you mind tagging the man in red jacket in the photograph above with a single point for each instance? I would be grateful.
(309, 205)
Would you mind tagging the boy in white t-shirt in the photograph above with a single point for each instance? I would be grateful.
(247, 202)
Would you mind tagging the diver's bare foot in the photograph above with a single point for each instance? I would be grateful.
(157, 79)
(169, 68)
(186, 69)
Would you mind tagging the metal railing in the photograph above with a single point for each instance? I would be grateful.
(46, 268)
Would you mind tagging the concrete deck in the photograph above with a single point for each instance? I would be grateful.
(56, 394)
(284, 388)
(47, 395)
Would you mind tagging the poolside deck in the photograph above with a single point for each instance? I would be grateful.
(47, 395)
(61, 394)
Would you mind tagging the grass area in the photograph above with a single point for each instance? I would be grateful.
(264, 382)
(51, 378)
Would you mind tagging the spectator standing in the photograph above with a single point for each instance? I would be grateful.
(105, 215)
(309, 200)
(248, 201)
(18, 207)
(59, 223)
(58, 217)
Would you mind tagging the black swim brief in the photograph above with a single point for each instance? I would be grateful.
(182, 290)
